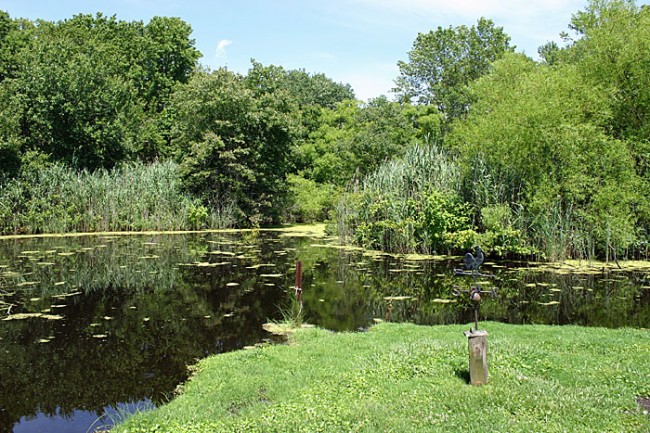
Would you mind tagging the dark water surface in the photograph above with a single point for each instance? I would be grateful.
(101, 326)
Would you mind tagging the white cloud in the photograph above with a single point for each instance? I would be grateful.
(221, 47)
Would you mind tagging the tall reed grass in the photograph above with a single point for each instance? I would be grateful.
(132, 197)
(406, 205)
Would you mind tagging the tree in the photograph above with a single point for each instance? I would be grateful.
(168, 58)
(537, 137)
(76, 101)
(89, 91)
(443, 62)
(233, 144)
(354, 138)
(612, 53)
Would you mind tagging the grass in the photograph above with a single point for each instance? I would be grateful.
(405, 205)
(132, 197)
(407, 378)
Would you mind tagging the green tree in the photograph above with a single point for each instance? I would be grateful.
(443, 62)
(611, 51)
(538, 137)
(13, 38)
(233, 143)
(354, 139)
(89, 91)
(77, 105)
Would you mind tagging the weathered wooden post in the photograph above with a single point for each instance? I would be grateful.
(299, 281)
(478, 364)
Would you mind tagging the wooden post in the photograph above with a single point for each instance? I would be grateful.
(478, 365)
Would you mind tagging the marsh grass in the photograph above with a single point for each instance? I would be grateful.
(406, 205)
(133, 197)
(407, 378)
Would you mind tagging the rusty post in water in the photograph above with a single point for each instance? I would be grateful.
(297, 318)
(299, 281)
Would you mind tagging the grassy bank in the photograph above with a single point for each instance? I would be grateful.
(411, 378)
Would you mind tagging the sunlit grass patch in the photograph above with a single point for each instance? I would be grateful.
(400, 377)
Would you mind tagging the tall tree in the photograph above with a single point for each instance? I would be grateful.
(443, 62)
(89, 90)
(537, 138)
(354, 138)
(612, 52)
(233, 143)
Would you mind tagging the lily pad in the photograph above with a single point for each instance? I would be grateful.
(261, 265)
(23, 316)
(444, 301)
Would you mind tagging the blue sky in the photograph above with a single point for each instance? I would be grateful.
(351, 41)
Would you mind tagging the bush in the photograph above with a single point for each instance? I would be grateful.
(310, 201)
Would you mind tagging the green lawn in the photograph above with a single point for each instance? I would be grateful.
(403, 378)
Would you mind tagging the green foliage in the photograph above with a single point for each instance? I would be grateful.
(197, 216)
(409, 204)
(233, 142)
(310, 201)
(88, 90)
(50, 198)
(612, 53)
(354, 139)
(537, 138)
(444, 62)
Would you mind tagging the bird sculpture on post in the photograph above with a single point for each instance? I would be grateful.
(472, 263)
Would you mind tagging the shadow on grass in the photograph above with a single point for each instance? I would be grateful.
(462, 374)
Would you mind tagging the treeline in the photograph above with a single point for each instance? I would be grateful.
(91, 98)
(549, 158)
(113, 125)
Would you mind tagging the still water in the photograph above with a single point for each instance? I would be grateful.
(96, 327)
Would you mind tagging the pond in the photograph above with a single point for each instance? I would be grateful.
(96, 327)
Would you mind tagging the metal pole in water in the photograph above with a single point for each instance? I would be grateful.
(298, 290)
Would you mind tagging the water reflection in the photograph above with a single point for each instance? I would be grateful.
(135, 311)
(79, 421)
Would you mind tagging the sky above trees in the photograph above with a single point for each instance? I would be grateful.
(352, 41)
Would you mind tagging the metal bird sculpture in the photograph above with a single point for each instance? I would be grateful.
(472, 263)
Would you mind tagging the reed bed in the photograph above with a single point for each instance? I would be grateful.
(407, 205)
(132, 197)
